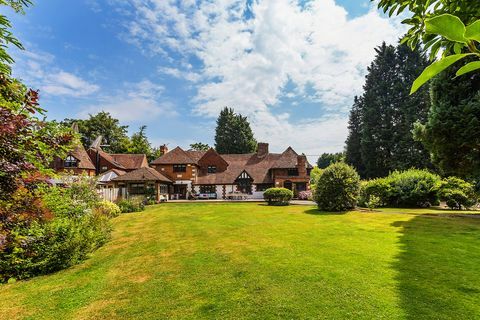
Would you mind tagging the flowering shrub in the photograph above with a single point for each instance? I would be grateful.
(305, 195)
(108, 209)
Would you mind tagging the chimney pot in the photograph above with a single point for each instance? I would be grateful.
(163, 149)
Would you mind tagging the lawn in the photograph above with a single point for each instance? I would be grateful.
(232, 261)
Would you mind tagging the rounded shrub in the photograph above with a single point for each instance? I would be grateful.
(108, 209)
(278, 196)
(413, 188)
(457, 193)
(337, 188)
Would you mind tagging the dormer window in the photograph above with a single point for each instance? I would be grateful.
(212, 169)
(70, 162)
(179, 168)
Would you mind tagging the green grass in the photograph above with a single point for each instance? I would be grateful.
(233, 261)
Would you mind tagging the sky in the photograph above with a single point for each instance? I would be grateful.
(291, 67)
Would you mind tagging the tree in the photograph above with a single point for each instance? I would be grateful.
(451, 132)
(114, 135)
(449, 25)
(380, 138)
(233, 133)
(199, 146)
(139, 144)
(353, 153)
(327, 159)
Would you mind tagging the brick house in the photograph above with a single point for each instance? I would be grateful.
(207, 172)
(76, 161)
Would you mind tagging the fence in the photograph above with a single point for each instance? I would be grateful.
(112, 194)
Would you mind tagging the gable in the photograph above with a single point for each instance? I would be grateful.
(212, 158)
(244, 176)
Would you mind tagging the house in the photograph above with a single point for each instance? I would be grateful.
(207, 172)
(77, 162)
(105, 161)
(144, 181)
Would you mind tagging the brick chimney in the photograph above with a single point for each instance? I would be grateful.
(163, 149)
(302, 165)
(262, 149)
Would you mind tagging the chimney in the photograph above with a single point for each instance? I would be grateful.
(163, 149)
(262, 149)
(302, 165)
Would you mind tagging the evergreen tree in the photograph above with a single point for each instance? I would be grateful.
(199, 146)
(451, 132)
(140, 144)
(327, 159)
(233, 133)
(381, 122)
(353, 153)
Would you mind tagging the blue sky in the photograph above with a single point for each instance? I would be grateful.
(291, 67)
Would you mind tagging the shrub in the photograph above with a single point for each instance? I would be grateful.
(410, 188)
(457, 193)
(337, 188)
(108, 209)
(305, 195)
(278, 196)
(374, 202)
(131, 205)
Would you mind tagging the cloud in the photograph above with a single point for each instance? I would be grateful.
(177, 73)
(137, 102)
(38, 70)
(250, 51)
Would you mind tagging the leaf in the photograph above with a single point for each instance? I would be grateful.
(472, 66)
(448, 26)
(434, 69)
(473, 31)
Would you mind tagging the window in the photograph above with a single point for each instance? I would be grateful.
(208, 189)
(163, 188)
(212, 169)
(70, 162)
(293, 172)
(179, 168)
(137, 188)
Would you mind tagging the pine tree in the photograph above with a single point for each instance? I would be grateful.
(381, 121)
(233, 133)
(452, 130)
(353, 153)
(140, 144)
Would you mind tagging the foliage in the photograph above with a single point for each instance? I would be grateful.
(51, 228)
(314, 174)
(410, 188)
(199, 146)
(457, 193)
(27, 144)
(450, 133)
(131, 205)
(103, 124)
(305, 195)
(451, 25)
(381, 121)
(374, 202)
(107, 209)
(278, 196)
(233, 133)
(327, 159)
(139, 144)
(6, 36)
(337, 188)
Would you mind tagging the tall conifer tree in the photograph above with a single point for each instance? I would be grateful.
(233, 133)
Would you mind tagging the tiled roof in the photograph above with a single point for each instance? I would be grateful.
(288, 159)
(81, 155)
(130, 161)
(176, 156)
(142, 174)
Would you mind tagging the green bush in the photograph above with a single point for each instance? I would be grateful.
(131, 205)
(374, 202)
(337, 188)
(108, 209)
(278, 196)
(410, 188)
(457, 193)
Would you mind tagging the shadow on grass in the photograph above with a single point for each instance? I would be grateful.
(317, 212)
(438, 268)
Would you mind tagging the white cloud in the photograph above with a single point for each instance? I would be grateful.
(249, 53)
(38, 70)
(177, 73)
(137, 102)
